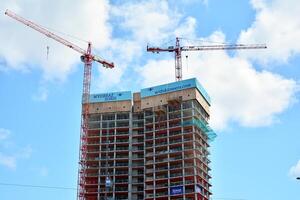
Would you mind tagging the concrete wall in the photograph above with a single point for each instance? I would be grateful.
(162, 99)
(137, 102)
(148, 102)
(115, 106)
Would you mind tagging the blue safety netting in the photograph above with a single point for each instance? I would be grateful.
(203, 126)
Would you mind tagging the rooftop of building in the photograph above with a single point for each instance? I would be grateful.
(152, 91)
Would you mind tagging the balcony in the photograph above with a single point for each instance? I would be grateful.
(149, 171)
(178, 166)
(139, 116)
(171, 125)
(137, 124)
(121, 189)
(161, 160)
(176, 183)
(149, 162)
(160, 194)
(161, 176)
(121, 157)
(121, 181)
(138, 164)
(138, 148)
(149, 195)
(149, 144)
(122, 116)
(121, 172)
(176, 149)
(174, 116)
(108, 117)
(138, 132)
(175, 141)
(148, 129)
(160, 136)
(161, 185)
(122, 149)
(172, 133)
(161, 168)
(139, 156)
(137, 141)
(122, 141)
(122, 164)
(149, 179)
(172, 175)
(176, 158)
(122, 124)
(161, 144)
(122, 133)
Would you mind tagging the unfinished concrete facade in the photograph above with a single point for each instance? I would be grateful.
(149, 145)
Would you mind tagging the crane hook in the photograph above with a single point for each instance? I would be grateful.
(187, 64)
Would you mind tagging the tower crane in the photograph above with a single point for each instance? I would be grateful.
(87, 58)
(178, 49)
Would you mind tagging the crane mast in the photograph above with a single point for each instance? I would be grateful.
(178, 49)
(87, 58)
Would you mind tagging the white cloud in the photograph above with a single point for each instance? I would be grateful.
(157, 71)
(187, 28)
(295, 170)
(4, 133)
(147, 20)
(41, 171)
(41, 95)
(26, 49)
(10, 153)
(278, 26)
(239, 93)
(144, 22)
(191, 2)
(25, 152)
(8, 161)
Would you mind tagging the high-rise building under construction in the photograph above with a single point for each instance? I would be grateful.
(149, 145)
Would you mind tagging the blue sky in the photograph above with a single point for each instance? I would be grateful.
(255, 93)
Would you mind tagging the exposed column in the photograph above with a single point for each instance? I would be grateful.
(130, 158)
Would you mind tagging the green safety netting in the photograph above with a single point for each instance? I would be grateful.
(203, 126)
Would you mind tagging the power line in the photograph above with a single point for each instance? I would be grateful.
(37, 186)
(226, 199)
(71, 188)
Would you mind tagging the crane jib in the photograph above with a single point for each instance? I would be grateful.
(87, 57)
(178, 49)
